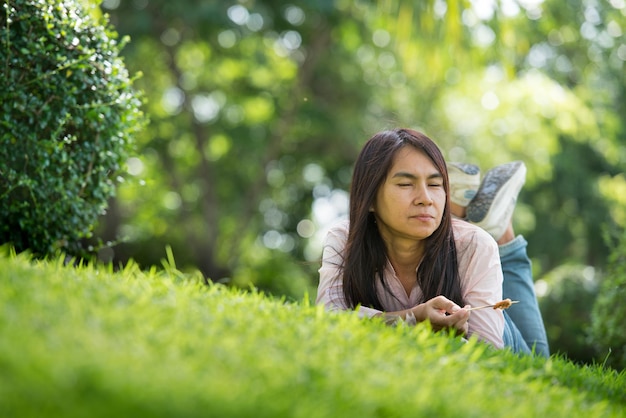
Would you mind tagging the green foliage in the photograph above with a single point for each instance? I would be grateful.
(68, 117)
(246, 97)
(569, 294)
(580, 205)
(89, 342)
(274, 274)
(609, 310)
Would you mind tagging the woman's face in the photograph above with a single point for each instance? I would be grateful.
(410, 202)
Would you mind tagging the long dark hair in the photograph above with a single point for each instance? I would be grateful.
(365, 257)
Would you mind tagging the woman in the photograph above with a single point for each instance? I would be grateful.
(403, 254)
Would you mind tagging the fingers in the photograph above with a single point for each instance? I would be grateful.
(447, 314)
(444, 304)
(457, 319)
(461, 323)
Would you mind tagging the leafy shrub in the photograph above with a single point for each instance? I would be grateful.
(68, 117)
(609, 310)
(566, 308)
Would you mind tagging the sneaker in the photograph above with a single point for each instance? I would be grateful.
(493, 205)
(464, 182)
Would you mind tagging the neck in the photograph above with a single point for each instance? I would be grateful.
(405, 255)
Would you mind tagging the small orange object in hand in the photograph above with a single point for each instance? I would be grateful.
(503, 304)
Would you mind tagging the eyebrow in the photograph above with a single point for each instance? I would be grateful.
(404, 174)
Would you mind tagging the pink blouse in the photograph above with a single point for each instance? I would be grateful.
(479, 270)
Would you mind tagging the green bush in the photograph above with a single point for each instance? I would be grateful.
(607, 329)
(566, 308)
(68, 115)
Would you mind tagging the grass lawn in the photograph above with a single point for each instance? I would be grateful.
(90, 342)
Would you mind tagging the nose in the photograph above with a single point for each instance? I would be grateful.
(422, 195)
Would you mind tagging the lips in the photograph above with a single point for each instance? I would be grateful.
(422, 216)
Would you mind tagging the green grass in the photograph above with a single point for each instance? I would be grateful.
(85, 341)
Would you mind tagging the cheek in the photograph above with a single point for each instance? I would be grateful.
(442, 198)
(441, 201)
(384, 199)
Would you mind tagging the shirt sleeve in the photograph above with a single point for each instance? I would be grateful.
(481, 277)
(330, 287)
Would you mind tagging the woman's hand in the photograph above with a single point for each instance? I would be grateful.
(442, 313)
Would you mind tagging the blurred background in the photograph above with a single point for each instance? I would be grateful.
(258, 109)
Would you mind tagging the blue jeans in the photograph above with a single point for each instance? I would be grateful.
(523, 326)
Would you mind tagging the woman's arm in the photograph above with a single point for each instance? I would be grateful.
(481, 281)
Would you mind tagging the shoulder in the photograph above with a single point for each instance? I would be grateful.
(339, 228)
(469, 237)
(480, 268)
(338, 232)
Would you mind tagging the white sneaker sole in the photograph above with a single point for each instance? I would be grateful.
(494, 203)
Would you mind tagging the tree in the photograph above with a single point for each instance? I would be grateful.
(259, 108)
